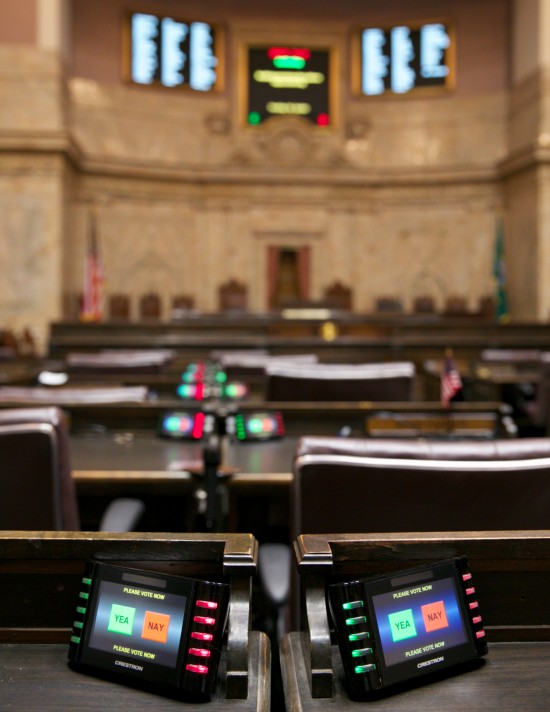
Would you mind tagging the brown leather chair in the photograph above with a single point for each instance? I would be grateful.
(37, 491)
(119, 307)
(150, 306)
(383, 485)
(424, 304)
(338, 296)
(233, 296)
(358, 485)
(380, 382)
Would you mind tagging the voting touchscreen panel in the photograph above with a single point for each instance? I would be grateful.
(404, 625)
(165, 630)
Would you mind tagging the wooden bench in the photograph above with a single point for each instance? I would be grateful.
(40, 574)
(512, 577)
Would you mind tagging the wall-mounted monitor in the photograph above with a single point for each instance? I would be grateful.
(405, 59)
(288, 80)
(172, 53)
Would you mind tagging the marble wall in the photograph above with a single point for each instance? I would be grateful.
(399, 197)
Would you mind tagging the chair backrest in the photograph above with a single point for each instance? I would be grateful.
(119, 307)
(341, 382)
(338, 296)
(511, 571)
(150, 306)
(399, 485)
(36, 487)
(233, 296)
(40, 578)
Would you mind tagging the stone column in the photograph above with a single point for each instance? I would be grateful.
(527, 168)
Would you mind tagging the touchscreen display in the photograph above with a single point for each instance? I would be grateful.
(138, 623)
(419, 620)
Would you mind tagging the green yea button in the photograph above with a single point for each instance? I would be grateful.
(121, 619)
(402, 625)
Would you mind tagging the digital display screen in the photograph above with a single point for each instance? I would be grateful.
(259, 426)
(173, 53)
(405, 58)
(137, 623)
(183, 425)
(289, 81)
(419, 620)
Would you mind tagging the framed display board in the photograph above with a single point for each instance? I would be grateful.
(289, 81)
(163, 51)
(404, 59)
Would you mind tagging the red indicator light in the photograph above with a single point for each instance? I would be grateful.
(480, 634)
(207, 604)
(202, 636)
(473, 605)
(301, 52)
(466, 577)
(199, 392)
(323, 119)
(204, 620)
(201, 669)
(201, 652)
(198, 427)
(476, 620)
(470, 591)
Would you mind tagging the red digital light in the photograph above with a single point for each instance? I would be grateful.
(198, 426)
(201, 669)
(200, 652)
(207, 604)
(204, 620)
(323, 119)
(202, 636)
(303, 53)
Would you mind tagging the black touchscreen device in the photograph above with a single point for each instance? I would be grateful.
(403, 625)
(165, 630)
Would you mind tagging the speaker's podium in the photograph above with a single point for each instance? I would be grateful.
(41, 579)
(511, 575)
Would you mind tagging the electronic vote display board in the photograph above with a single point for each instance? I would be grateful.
(405, 58)
(167, 52)
(286, 80)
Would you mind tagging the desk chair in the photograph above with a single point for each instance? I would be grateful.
(36, 487)
(402, 485)
(40, 579)
(379, 382)
(511, 571)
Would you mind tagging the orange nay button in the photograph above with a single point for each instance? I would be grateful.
(155, 626)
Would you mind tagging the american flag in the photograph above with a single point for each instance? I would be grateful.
(451, 383)
(92, 298)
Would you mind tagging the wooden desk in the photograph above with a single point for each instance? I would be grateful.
(513, 677)
(36, 678)
(159, 471)
(511, 571)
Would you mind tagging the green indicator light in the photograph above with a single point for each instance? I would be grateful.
(75, 639)
(352, 604)
(358, 636)
(78, 624)
(87, 581)
(356, 620)
(84, 595)
(221, 377)
(254, 118)
(81, 610)
(360, 652)
(286, 62)
(255, 425)
(365, 668)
